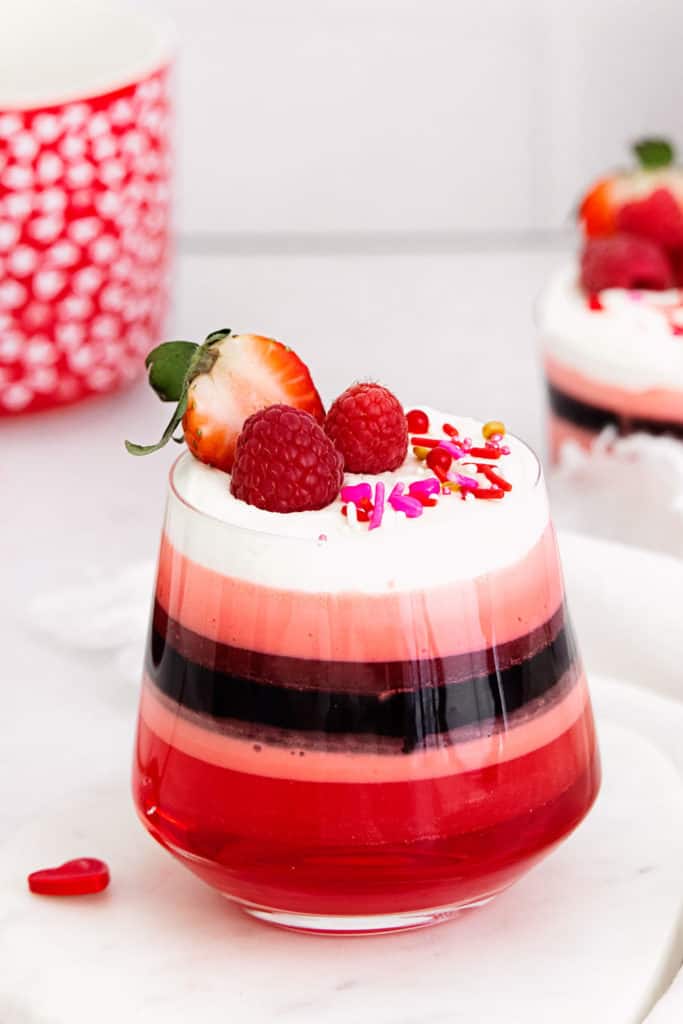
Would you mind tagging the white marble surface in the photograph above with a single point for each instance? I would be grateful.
(77, 508)
(160, 947)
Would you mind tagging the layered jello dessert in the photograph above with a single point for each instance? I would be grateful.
(362, 705)
(611, 322)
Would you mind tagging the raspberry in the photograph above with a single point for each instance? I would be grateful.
(658, 218)
(368, 426)
(624, 261)
(284, 462)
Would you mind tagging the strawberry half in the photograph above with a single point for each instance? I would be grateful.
(646, 201)
(219, 384)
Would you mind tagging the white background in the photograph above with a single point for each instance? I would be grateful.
(446, 117)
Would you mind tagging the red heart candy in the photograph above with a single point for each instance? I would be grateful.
(75, 878)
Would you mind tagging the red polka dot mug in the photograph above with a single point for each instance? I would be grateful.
(84, 199)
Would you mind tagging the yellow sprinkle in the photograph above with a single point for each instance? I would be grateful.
(493, 427)
(450, 485)
(420, 453)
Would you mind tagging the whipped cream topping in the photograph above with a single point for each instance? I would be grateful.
(628, 344)
(322, 551)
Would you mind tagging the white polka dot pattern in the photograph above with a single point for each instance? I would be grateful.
(84, 244)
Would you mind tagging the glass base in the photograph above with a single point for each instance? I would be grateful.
(353, 924)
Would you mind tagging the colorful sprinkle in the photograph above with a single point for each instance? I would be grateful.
(421, 453)
(428, 486)
(493, 427)
(449, 429)
(453, 449)
(488, 492)
(356, 492)
(494, 478)
(467, 483)
(486, 453)
(378, 510)
(425, 491)
(401, 502)
(426, 442)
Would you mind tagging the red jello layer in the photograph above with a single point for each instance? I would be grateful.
(359, 848)
(653, 403)
(401, 626)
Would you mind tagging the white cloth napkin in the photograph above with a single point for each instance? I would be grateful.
(116, 608)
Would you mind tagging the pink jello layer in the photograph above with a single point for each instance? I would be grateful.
(655, 403)
(223, 751)
(469, 615)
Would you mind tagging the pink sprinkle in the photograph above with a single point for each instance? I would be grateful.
(404, 503)
(378, 510)
(505, 450)
(428, 486)
(467, 483)
(356, 492)
(453, 449)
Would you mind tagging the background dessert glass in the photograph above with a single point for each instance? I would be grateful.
(614, 360)
(345, 754)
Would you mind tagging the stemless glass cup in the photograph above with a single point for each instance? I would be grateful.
(343, 757)
(84, 198)
(586, 350)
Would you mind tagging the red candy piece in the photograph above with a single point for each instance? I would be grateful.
(418, 421)
(75, 878)
(439, 461)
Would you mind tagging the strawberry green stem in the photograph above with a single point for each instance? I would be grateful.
(653, 154)
(172, 367)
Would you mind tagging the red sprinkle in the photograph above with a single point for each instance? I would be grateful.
(75, 878)
(449, 429)
(364, 509)
(418, 421)
(424, 442)
(425, 500)
(594, 303)
(488, 493)
(494, 478)
(485, 453)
